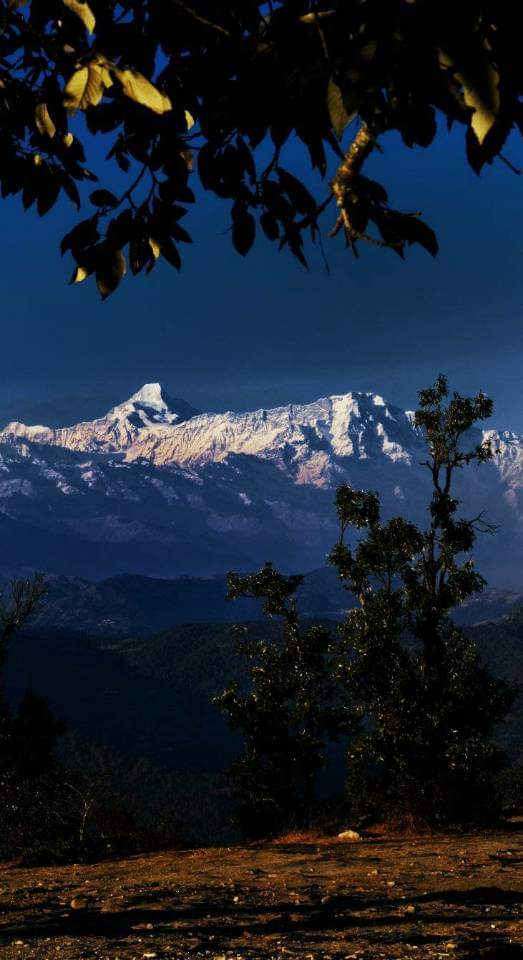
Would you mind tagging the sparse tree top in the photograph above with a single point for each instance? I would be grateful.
(193, 94)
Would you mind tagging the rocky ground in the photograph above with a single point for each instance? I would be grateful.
(416, 897)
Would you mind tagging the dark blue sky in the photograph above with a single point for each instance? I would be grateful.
(236, 334)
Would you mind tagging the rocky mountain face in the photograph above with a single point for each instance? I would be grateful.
(157, 488)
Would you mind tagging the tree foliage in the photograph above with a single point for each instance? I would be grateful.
(214, 90)
(399, 681)
(291, 707)
(431, 706)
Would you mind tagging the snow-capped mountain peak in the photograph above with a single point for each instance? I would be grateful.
(151, 405)
(152, 394)
(122, 426)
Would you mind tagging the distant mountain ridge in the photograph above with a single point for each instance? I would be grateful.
(135, 606)
(157, 488)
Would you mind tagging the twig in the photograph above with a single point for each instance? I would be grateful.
(128, 195)
(510, 165)
(196, 16)
(324, 255)
(322, 37)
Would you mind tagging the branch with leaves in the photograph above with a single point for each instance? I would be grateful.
(198, 90)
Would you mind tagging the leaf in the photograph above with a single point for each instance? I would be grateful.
(68, 139)
(103, 198)
(243, 231)
(269, 225)
(399, 228)
(246, 158)
(75, 89)
(70, 188)
(121, 228)
(140, 253)
(419, 232)
(482, 95)
(372, 190)
(171, 254)
(29, 194)
(480, 154)
(84, 234)
(179, 233)
(189, 119)
(155, 247)
(110, 270)
(138, 88)
(43, 121)
(48, 193)
(83, 11)
(337, 111)
(86, 86)
(299, 196)
(80, 274)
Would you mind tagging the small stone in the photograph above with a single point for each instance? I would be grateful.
(79, 903)
(349, 835)
(391, 883)
(412, 908)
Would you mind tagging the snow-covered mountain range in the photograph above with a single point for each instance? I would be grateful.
(157, 487)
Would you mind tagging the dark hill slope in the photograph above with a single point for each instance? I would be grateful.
(151, 696)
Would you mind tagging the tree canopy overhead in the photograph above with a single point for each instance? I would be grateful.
(209, 90)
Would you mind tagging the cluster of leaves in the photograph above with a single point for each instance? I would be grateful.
(419, 707)
(292, 705)
(165, 81)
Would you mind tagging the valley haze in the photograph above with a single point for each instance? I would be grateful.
(160, 489)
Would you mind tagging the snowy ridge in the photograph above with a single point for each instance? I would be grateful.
(144, 412)
(203, 493)
(152, 427)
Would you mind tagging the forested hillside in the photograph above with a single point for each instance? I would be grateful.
(150, 696)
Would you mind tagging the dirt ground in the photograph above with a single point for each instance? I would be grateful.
(419, 897)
